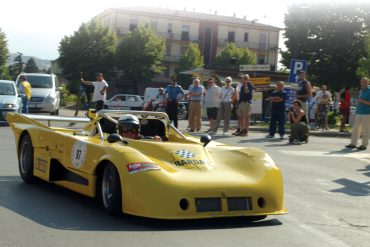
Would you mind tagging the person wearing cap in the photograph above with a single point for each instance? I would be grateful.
(277, 100)
(100, 90)
(25, 92)
(224, 109)
(362, 120)
(173, 94)
(298, 123)
(128, 126)
(304, 91)
(195, 94)
(244, 105)
(212, 100)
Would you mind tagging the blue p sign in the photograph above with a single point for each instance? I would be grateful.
(295, 67)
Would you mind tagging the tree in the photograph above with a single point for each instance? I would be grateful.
(364, 69)
(330, 37)
(91, 49)
(4, 53)
(31, 66)
(191, 59)
(232, 56)
(140, 54)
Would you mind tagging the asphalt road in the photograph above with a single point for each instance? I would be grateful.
(327, 192)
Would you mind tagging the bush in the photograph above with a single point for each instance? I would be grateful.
(333, 119)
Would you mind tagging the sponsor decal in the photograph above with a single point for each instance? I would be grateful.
(41, 165)
(78, 154)
(141, 167)
(188, 159)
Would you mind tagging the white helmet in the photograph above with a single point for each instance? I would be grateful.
(127, 123)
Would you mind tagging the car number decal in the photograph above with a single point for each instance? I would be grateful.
(78, 154)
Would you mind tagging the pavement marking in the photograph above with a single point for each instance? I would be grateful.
(365, 157)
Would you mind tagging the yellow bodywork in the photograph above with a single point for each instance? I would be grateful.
(187, 172)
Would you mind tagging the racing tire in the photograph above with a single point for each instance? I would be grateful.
(111, 190)
(25, 159)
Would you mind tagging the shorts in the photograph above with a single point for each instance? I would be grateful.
(212, 113)
(244, 109)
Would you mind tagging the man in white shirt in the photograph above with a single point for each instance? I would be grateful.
(212, 100)
(224, 109)
(100, 90)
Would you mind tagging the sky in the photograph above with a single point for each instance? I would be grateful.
(35, 28)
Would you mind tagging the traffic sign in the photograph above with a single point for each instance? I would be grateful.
(295, 67)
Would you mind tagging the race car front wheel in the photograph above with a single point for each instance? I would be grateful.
(25, 159)
(111, 190)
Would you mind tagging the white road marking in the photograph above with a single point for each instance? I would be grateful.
(356, 155)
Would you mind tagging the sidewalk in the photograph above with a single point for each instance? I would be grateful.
(258, 128)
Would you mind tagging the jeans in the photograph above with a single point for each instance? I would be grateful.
(278, 117)
(25, 104)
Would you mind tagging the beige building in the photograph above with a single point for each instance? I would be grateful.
(210, 31)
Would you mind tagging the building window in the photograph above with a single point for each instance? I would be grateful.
(185, 32)
(169, 28)
(168, 49)
(246, 37)
(183, 49)
(261, 59)
(231, 37)
(166, 71)
(263, 41)
(133, 24)
(154, 25)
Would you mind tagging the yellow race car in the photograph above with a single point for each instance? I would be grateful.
(180, 177)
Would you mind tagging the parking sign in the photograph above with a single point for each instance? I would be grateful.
(295, 67)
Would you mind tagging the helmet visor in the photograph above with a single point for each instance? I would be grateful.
(128, 127)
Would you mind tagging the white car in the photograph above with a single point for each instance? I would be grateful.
(45, 92)
(9, 99)
(124, 102)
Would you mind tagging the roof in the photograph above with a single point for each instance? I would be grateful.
(192, 15)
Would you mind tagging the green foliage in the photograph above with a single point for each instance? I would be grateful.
(140, 54)
(232, 56)
(31, 66)
(333, 118)
(364, 69)
(330, 37)
(4, 52)
(191, 59)
(64, 94)
(89, 50)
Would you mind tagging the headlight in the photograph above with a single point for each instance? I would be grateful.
(9, 105)
(49, 99)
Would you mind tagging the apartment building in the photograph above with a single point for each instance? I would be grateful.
(211, 32)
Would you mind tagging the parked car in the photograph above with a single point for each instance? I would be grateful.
(9, 99)
(45, 92)
(124, 102)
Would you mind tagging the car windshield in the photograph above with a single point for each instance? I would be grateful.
(6, 89)
(39, 81)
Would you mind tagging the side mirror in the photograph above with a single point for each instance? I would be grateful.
(112, 138)
(205, 139)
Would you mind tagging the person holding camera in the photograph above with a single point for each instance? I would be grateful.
(298, 123)
(277, 99)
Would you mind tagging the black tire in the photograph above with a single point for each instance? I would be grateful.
(111, 190)
(56, 112)
(25, 159)
(255, 218)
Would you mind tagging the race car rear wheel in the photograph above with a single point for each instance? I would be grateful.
(111, 190)
(25, 159)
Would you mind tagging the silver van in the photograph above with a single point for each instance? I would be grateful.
(45, 92)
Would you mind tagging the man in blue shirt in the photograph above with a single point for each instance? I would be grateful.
(362, 122)
(196, 94)
(173, 95)
(244, 105)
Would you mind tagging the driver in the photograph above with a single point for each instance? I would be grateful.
(129, 127)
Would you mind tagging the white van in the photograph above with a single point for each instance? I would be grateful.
(45, 92)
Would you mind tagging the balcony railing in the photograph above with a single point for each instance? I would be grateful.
(250, 45)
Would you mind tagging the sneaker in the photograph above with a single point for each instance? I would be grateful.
(236, 132)
(243, 133)
(226, 134)
(269, 136)
(350, 146)
(191, 130)
(362, 147)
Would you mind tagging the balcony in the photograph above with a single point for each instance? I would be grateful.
(171, 58)
(250, 45)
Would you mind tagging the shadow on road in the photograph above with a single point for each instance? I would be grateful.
(55, 207)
